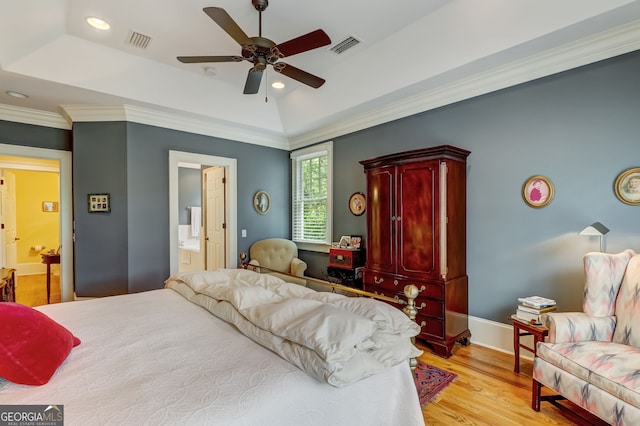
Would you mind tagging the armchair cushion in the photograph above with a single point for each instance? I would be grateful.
(610, 367)
(281, 255)
(578, 327)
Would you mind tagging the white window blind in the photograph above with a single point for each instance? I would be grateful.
(312, 194)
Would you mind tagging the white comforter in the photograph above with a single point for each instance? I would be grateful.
(154, 358)
(334, 338)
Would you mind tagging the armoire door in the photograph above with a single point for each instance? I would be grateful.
(417, 219)
(380, 225)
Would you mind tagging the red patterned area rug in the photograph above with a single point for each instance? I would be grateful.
(430, 381)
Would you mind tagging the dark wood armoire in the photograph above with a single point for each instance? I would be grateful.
(416, 234)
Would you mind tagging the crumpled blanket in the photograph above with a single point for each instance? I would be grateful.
(334, 338)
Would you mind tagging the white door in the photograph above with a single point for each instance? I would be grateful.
(9, 219)
(215, 221)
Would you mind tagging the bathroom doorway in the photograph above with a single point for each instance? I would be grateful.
(220, 249)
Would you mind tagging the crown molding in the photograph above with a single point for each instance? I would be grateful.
(607, 44)
(208, 127)
(33, 116)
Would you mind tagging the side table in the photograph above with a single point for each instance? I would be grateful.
(523, 328)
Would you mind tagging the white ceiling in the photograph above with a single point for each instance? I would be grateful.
(415, 55)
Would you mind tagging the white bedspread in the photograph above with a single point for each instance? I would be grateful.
(154, 358)
(332, 337)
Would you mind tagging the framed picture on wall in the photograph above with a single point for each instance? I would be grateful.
(357, 203)
(49, 206)
(99, 203)
(627, 186)
(261, 202)
(537, 191)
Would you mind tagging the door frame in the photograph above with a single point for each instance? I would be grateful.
(231, 204)
(66, 207)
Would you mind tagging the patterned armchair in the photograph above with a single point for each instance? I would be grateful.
(592, 358)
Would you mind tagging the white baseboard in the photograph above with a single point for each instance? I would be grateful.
(496, 335)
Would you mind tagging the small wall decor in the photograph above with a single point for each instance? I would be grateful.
(49, 206)
(261, 202)
(99, 203)
(357, 203)
(627, 186)
(537, 191)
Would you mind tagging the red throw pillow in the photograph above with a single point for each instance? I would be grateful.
(32, 345)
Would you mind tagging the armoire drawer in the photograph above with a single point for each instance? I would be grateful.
(430, 327)
(397, 283)
(425, 306)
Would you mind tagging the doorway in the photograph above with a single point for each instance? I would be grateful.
(222, 253)
(65, 226)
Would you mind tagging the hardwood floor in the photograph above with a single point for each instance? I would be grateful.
(488, 392)
(31, 290)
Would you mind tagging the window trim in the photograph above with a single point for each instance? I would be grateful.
(295, 155)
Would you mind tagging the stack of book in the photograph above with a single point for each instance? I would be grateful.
(530, 308)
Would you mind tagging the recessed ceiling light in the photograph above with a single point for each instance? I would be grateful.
(98, 23)
(16, 94)
(277, 85)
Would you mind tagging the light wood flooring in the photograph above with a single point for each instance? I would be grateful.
(488, 392)
(31, 290)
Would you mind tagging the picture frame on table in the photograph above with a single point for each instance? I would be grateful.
(538, 191)
(627, 186)
(345, 241)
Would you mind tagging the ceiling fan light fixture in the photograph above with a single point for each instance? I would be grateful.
(16, 94)
(97, 23)
(277, 85)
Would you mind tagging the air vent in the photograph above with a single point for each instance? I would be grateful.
(344, 45)
(139, 40)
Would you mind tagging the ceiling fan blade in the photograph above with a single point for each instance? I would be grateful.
(200, 59)
(298, 74)
(312, 40)
(222, 18)
(252, 85)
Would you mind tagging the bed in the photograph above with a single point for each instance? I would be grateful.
(165, 357)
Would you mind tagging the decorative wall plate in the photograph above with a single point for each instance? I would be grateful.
(357, 203)
(627, 186)
(262, 202)
(537, 191)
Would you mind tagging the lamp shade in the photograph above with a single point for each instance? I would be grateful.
(596, 228)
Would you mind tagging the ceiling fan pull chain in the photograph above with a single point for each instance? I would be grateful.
(266, 86)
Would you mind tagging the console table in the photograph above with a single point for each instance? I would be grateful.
(50, 259)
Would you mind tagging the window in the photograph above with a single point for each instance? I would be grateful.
(312, 194)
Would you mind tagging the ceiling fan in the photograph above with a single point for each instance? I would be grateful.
(261, 51)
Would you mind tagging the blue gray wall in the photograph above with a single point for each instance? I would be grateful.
(579, 128)
(134, 169)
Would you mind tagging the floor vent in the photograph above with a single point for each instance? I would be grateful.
(344, 45)
(139, 40)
